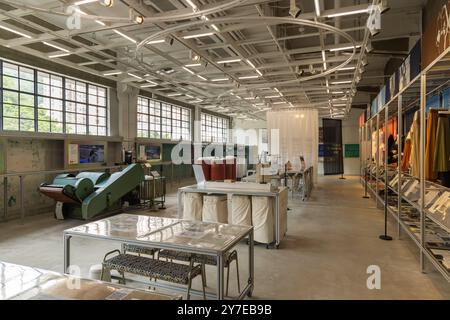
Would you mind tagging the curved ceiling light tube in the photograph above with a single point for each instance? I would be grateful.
(176, 15)
(261, 20)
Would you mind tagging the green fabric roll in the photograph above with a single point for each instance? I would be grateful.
(442, 151)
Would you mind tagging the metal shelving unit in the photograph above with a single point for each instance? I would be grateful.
(374, 172)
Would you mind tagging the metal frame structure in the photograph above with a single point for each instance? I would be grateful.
(185, 247)
(230, 192)
(40, 281)
(414, 95)
(105, 45)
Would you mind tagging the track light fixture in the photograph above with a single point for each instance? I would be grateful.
(369, 47)
(384, 6)
(294, 10)
(374, 21)
(364, 61)
(169, 40)
(361, 69)
(193, 56)
(107, 3)
(136, 17)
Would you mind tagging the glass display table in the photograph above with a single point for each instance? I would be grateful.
(212, 239)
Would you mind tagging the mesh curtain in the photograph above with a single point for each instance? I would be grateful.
(298, 135)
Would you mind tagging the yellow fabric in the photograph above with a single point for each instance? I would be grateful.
(432, 122)
(415, 146)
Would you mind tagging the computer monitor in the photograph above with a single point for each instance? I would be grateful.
(90, 153)
(153, 152)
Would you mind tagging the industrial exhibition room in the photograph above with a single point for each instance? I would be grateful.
(226, 150)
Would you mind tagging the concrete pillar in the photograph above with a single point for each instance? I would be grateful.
(197, 125)
(126, 114)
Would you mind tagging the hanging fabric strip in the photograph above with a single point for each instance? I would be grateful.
(432, 124)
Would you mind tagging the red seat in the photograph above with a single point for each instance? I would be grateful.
(218, 171)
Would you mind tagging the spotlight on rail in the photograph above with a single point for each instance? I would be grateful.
(107, 3)
(294, 10)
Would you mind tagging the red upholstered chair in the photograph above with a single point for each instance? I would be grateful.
(231, 169)
(206, 170)
(218, 170)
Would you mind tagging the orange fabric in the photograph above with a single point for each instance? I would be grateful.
(406, 155)
(392, 128)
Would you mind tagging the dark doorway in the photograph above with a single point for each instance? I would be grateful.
(333, 150)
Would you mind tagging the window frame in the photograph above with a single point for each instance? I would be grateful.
(39, 95)
(214, 128)
(162, 118)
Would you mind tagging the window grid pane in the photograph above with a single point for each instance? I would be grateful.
(18, 98)
(39, 101)
(160, 120)
(214, 129)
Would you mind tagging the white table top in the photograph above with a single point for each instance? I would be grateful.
(26, 283)
(190, 236)
(196, 188)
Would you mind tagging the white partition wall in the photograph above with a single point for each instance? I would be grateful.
(297, 134)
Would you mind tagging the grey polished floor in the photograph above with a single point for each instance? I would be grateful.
(332, 240)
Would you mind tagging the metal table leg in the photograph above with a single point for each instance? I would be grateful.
(22, 197)
(180, 200)
(277, 221)
(251, 263)
(66, 252)
(5, 198)
(220, 277)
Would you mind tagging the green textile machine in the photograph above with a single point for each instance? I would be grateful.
(89, 194)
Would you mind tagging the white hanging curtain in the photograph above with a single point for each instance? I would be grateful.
(298, 136)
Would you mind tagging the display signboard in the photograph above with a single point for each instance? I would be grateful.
(435, 37)
(321, 150)
(393, 85)
(374, 108)
(382, 98)
(405, 74)
(352, 150)
(446, 99)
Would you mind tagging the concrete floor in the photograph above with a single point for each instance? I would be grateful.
(332, 239)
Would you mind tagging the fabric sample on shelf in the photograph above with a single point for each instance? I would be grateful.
(406, 154)
(442, 151)
(415, 146)
(432, 123)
